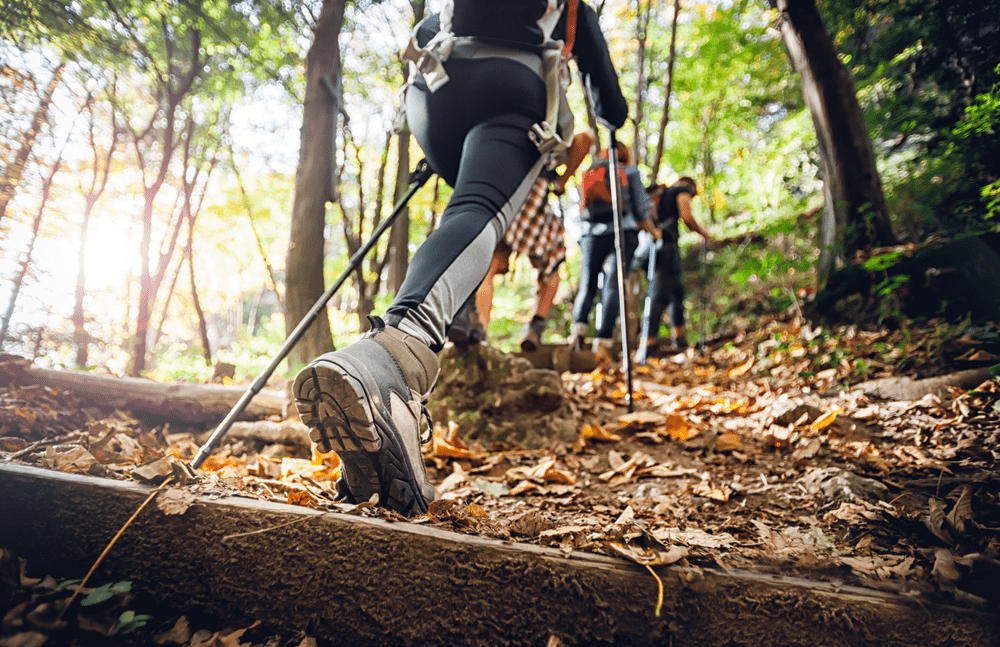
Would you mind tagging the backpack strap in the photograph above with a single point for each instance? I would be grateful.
(558, 116)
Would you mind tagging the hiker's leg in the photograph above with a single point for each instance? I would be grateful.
(547, 289)
(365, 401)
(499, 165)
(593, 250)
(663, 287)
(484, 295)
(609, 294)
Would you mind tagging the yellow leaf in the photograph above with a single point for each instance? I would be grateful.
(451, 447)
(677, 427)
(737, 371)
(825, 420)
(300, 498)
(475, 510)
(597, 432)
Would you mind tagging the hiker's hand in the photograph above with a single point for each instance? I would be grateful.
(648, 227)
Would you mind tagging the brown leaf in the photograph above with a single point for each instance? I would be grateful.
(180, 633)
(935, 521)
(175, 500)
(961, 514)
(475, 510)
(26, 639)
(640, 418)
(530, 524)
(12, 444)
(944, 570)
(154, 473)
(706, 490)
(76, 460)
(728, 442)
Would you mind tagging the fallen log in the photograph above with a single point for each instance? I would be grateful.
(175, 401)
(357, 581)
(909, 388)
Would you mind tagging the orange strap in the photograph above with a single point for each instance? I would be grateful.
(570, 28)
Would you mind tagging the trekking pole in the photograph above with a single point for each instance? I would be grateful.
(647, 307)
(418, 178)
(704, 295)
(619, 253)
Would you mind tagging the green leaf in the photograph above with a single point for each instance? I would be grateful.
(995, 371)
(121, 587)
(97, 596)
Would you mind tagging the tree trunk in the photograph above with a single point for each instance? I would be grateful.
(91, 196)
(10, 180)
(641, 31)
(313, 189)
(202, 326)
(399, 234)
(665, 117)
(177, 87)
(855, 216)
(179, 401)
(26, 263)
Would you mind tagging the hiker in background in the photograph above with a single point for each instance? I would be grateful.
(539, 234)
(666, 289)
(485, 126)
(597, 244)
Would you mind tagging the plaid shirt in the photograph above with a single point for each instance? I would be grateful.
(537, 232)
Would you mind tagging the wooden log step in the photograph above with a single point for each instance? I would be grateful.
(357, 581)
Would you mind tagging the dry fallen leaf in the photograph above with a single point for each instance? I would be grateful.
(640, 418)
(825, 420)
(935, 521)
(706, 490)
(180, 633)
(742, 369)
(175, 500)
(597, 432)
(677, 427)
(728, 442)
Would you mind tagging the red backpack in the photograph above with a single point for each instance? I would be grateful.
(596, 184)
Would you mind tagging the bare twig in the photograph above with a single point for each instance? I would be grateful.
(263, 530)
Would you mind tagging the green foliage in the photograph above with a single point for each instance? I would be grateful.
(105, 592)
(925, 75)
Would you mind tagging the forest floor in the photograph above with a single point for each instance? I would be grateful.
(783, 450)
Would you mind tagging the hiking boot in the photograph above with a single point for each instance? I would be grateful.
(533, 334)
(465, 328)
(366, 402)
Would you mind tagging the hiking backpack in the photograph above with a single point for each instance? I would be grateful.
(486, 28)
(595, 192)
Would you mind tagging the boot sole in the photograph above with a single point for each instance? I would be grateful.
(338, 411)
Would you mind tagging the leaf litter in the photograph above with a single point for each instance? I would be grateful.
(765, 453)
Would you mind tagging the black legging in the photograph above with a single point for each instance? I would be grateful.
(666, 289)
(594, 251)
(474, 133)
